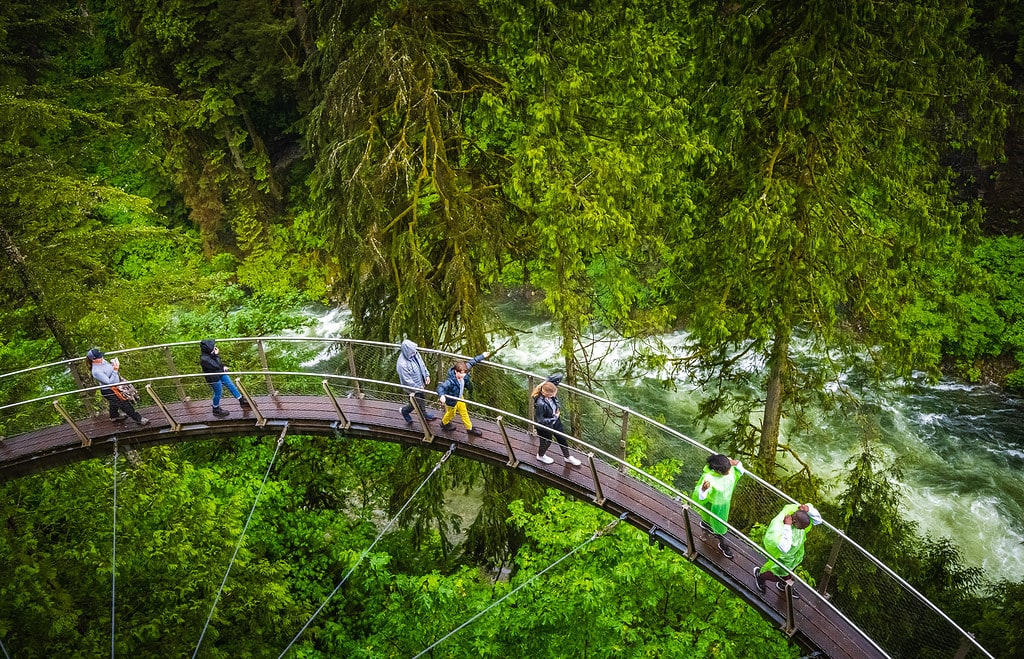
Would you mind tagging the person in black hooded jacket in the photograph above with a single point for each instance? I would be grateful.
(217, 378)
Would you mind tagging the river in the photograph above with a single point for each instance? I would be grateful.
(961, 446)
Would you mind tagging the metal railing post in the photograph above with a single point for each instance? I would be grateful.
(428, 434)
(965, 648)
(266, 370)
(352, 369)
(260, 419)
(598, 493)
(173, 370)
(88, 398)
(691, 546)
(531, 383)
(622, 440)
(790, 627)
(342, 419)
(71, 422)
(513, 461)
(175, 426)
(829, 566)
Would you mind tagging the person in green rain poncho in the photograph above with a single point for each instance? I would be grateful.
(714, 493)
(784, 542)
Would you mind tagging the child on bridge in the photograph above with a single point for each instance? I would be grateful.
(452, 393)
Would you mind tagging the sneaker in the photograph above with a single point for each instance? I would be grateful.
(221, 412)
(704, 525)
(474, 432)
(757, 580)
(118, 419)
(431, 417)
(781, 585)
(572, 461)
(447, 426)
(726, 551)
(545, 459)
(143, 421)
(405, 415)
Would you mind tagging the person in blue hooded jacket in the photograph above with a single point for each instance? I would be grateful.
(217, 377)
(452, 393)
(413, 375)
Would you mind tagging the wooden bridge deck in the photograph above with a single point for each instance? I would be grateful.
(818, 626)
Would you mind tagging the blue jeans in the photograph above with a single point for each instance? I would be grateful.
(218, 389)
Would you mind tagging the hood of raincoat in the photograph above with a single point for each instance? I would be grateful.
(409, 349)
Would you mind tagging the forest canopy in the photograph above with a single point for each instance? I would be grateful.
(852, 173)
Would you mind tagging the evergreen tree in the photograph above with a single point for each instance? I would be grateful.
(828, 193)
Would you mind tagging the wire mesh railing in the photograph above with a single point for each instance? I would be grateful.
(901, 621)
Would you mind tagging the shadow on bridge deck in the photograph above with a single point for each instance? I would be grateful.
(815, 625)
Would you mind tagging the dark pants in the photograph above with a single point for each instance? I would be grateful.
(545, 438)
(116, 404)
(421, 402)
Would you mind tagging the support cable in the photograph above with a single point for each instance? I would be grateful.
(238, 545)
(7, 656)
(597, 534)
(113, 563)
(380, 535)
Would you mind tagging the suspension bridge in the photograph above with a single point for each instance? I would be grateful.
(344, 387)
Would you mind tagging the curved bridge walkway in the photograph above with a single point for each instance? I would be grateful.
(350, 391)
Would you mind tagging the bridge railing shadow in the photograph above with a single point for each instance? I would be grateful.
(870, 594)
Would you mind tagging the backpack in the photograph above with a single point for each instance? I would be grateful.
(126, 391)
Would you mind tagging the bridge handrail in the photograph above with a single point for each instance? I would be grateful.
(505, 414)
(603, 402)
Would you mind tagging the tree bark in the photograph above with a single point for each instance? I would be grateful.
(778, 375)
(53, 323)
(302, 23)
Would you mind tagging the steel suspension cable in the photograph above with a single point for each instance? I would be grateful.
(597, 534)
(238, 545)
(380, 535)
(113, 563)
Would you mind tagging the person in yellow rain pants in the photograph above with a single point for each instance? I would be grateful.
(452, 394)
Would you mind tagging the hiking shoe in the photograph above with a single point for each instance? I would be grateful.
(447, 426)
(704, 525)
(545, 459)
(572, 461)
(243, 402)
(726, 551)
(405, 415)
(221, 412)
(474, 432)
(781, 585)
(757, 580)
(143, 421)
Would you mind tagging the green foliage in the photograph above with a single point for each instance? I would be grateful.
(974, 309)
(1002, 619)
(403, 195)
(596, 129)
(826, 194)
(176, 531)
(761, 174)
